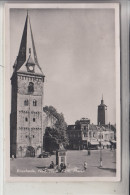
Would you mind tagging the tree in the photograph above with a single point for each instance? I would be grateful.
(54, 136)
(50, 139)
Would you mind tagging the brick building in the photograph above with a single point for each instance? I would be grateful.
(84, 135)
(78, 134)
(26, 118)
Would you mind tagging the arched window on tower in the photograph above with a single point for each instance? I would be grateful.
(34, 103)
(25, 102)
(31, 87)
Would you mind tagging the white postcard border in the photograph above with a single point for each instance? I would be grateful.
(7, 82)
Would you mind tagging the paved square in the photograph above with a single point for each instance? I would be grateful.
(36, 167)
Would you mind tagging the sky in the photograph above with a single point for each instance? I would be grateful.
(76, 51)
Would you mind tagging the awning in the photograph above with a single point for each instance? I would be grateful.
(105, 143)
(94, 143)
(113, 141)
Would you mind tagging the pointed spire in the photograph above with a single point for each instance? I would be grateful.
(22, 50)
(15, 63)
(102, 101)
(27, 47)
(29, 51)
(102, 96)
(33, 45)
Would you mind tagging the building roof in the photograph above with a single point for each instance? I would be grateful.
(102, 103)
(92, 127)
(30, 60)
(73, 127)
(84, 119)
(27, 51)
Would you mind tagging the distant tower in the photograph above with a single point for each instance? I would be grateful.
(26, 129)
(102, 113)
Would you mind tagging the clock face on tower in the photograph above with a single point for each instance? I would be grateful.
(30, 68)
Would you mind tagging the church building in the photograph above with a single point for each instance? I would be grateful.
(102, 113)
(26, 118)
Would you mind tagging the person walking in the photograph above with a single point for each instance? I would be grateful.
(85, 165)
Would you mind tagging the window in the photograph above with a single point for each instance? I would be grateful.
(34, 103)
(26, 119)
(26, 103)
(31, 87)
(33, 119)
(33, 136)
(62, 159)
(26, 136)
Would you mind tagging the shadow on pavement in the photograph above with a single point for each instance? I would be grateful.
(108, 169)
(43, 167)
(95, 166)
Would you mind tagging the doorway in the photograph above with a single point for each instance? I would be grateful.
(30, 152)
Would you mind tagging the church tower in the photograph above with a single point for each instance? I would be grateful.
(26, 118)
(102, 113)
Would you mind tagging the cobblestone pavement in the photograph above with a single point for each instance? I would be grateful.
(38, 167)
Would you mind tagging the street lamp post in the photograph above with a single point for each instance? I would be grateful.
(89, 152)
(100, 150)
(79, 144)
